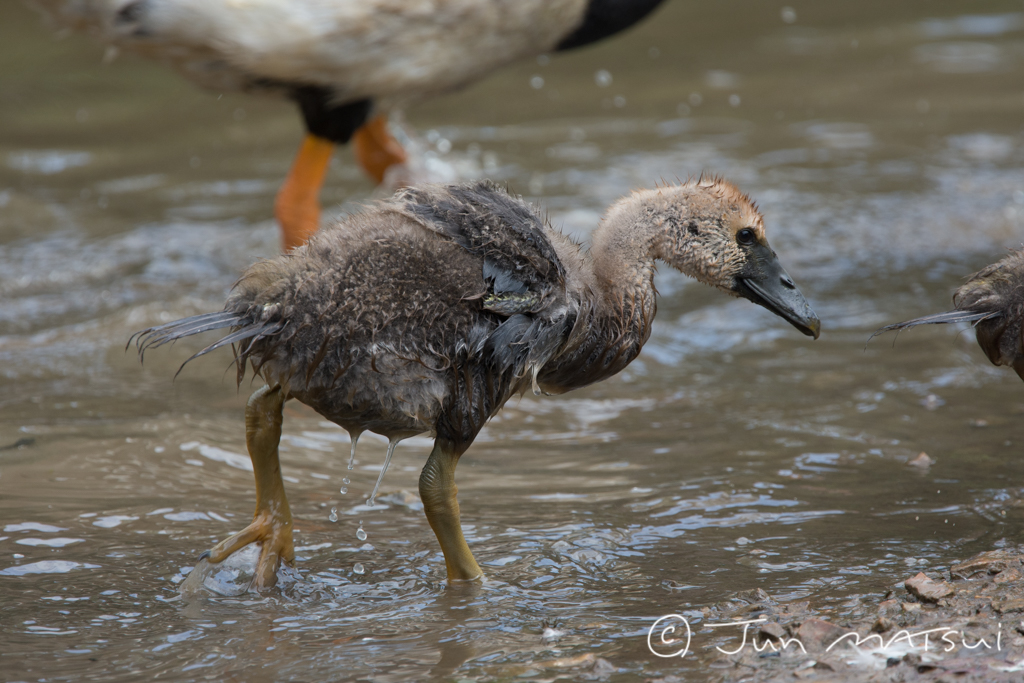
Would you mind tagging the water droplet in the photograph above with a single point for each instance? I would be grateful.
(346, 481)
(343, 490)
(360, 533)
(334, 515)
(358, 568)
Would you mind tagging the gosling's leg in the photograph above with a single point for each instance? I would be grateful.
(438, 493)
(272, 523)
(297, 206)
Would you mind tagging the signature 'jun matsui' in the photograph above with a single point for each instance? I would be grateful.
(426, 312)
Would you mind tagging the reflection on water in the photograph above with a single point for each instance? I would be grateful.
(884, 146)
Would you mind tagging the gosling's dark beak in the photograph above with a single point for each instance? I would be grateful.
(765, 282)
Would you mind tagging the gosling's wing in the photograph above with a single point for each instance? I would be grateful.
(526, 280)
(519, 262)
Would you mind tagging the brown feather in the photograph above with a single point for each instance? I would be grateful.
(993, 301)
(428, 311)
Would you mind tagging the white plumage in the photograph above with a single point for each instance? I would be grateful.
(392, 51)
(345, 63)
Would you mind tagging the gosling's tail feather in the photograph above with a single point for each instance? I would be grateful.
(154, 337)
(956, 316)
(245, 328)
(257, 330)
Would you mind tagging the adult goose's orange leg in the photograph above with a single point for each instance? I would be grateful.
(376, 149)
(272, 523)
(297, 207)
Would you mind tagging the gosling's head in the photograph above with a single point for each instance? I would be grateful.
(715, 233)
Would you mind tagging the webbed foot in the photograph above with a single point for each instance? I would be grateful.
(271, 526)
(273, 533)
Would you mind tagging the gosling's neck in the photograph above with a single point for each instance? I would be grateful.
(617, 321)
(634, 233)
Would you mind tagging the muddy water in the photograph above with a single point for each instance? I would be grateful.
(884, 145)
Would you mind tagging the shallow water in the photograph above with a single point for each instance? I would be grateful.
(884, 145)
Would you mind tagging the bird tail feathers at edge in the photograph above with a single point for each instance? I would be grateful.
(974, 317)
(155, 337)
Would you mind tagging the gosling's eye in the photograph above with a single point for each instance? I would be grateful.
(746, 236)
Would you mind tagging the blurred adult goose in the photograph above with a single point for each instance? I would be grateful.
(993, 301)
(344, 62)
(428, 311)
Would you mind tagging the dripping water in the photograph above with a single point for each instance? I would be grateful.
(380, 477)
(354, 437)
(360, 532)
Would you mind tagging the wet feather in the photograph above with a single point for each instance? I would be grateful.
(429, 310)
(992, 300)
